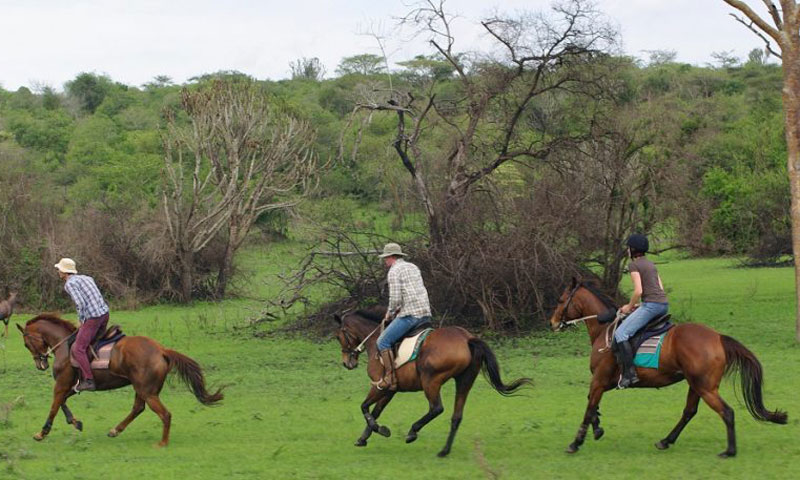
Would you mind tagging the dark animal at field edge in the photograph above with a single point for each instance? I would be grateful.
(6, 310)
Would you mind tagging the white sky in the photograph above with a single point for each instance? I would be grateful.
(49, 42)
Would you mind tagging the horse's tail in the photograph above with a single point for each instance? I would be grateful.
(738, 357)
(191, 373)
(483, 356)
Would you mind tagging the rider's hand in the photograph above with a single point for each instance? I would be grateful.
(626, 309)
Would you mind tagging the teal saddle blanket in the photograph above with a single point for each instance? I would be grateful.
(649, 352)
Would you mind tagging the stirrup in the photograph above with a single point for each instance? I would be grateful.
(379, 382)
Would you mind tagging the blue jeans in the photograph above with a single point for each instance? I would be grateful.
(399, 327)
(638, 319)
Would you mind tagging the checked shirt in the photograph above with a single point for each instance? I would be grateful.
(406, 291)
(87, 297)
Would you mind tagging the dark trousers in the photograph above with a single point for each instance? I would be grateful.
(80, 349)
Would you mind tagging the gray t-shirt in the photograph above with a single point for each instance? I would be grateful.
(651, 290)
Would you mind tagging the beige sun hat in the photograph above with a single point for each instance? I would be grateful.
(66, 265)
(391, 249)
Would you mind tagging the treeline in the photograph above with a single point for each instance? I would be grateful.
(505, 187)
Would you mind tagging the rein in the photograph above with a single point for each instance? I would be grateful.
(50, 350)
(360, 347)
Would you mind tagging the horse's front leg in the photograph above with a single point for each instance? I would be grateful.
(597, 430)
(380, 398)
(60, 394)
(71, 420)
(591, 416)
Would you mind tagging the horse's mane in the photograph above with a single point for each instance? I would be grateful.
(595, 289)
(373, 314)
(52, 317)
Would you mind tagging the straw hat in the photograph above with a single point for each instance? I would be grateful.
(66, 265)
(392, 249)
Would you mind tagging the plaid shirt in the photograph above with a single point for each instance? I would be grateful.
(87, 297)
(406, 291)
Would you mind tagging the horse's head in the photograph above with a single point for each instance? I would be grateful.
(566, 308)
(348, 340)
(36, 344)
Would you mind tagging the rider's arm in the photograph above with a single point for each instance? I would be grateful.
(395, 293)
(77, 298)
(659, 283)
(637, 292)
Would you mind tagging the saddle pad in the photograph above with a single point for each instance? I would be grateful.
(648, 353)
(101, 361)
(409, 348)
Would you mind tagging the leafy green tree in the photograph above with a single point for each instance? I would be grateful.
(363, 64)
(89, 90)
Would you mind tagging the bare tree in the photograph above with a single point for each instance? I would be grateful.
(193, 210)
(498, 108)
(784, 30)
(259, 158)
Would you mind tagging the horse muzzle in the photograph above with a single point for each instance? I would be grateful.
(41, 364)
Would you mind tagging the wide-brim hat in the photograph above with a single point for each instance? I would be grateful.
(392, 249)
(66, 265)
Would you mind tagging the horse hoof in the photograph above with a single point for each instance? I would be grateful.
(161, 444)
(384, 431)
(113, 433)
(598, 434)
(78, 425)
(411, 437)
(443, 453)
(38, 437)
(360, 443)
(572, 448)
(662, 445)
(727, 454)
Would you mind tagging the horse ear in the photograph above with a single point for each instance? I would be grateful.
(337, 318)
(20, 328)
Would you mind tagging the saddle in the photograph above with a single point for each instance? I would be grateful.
(407, 348)
(100, 348)
(657, 326)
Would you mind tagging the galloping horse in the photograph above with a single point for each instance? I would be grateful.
(690, 351)
(137, 361)
(449, 352)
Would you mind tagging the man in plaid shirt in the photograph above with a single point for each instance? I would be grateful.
(408, 305)
(92, 313)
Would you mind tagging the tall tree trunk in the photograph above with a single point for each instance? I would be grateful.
(187, 275)
(791, 109)
(224, 274)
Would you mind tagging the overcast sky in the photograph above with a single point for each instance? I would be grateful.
(48, 42)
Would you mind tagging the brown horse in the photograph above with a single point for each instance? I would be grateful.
(449, 352)
(689, 351)
(137, 361)
(6, 310)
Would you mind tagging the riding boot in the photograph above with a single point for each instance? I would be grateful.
(389, 380)
(625, 358)
(87, 384)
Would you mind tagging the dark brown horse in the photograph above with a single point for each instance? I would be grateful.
(690, 352)
(6, 310)
(449, 352)
(137, 361)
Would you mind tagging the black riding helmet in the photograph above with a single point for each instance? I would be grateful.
(638, 242)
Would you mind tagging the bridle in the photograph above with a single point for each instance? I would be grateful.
(354, 352)
(43, 357)
(566, 323)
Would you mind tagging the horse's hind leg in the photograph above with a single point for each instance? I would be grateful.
(138, 407)
(463, 385)
(380, 398)
(432, 389)
(70, 418)
(166, 418)
(717, 404)
(692, 399)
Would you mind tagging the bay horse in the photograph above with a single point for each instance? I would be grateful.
(690, 352)
(137, 361)
(448, 352)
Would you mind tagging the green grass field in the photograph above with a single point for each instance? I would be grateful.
(292, 411)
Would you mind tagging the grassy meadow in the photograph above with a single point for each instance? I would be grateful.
(292, 411)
